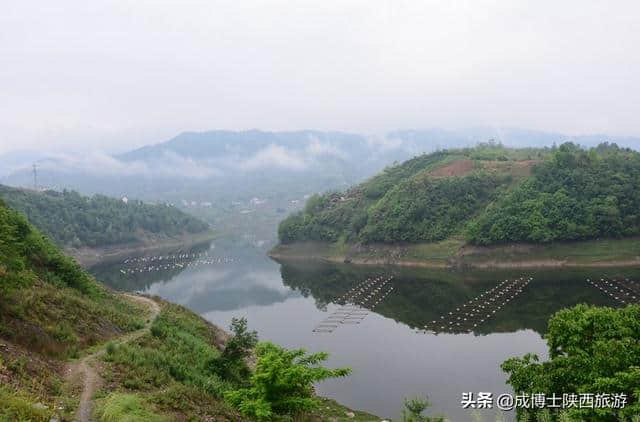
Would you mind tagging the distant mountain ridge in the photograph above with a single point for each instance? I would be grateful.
(215, 143)
(221, 166)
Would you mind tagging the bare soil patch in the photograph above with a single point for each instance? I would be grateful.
(455, 168)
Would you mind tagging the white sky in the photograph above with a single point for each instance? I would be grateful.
(115, 74)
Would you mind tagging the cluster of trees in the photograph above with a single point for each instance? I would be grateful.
(71, 219)
(403, 203)
(592, 350)
(576, 194)
(427, 209)
(334, 215)
(572, 194)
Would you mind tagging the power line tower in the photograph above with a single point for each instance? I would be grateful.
(35, 176)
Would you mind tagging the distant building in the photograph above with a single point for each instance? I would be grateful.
(125, 199)
(257, 201)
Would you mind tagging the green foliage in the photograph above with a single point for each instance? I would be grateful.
(282, 383)
(74, 220)
(575, 195)
(230, 365)
(409, 202)
(169, 367)
(401, 204)
(26, 255)
(17, 407)
(591, 350)
(178, 350)
(413, 409)
(47, 301)
(379, 185)
(128, 408)
(427, 210)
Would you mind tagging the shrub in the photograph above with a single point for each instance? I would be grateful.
(282, 383)
(230, 365)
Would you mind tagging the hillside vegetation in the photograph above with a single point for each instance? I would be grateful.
(50, 310)
(574, 195)
(73, 220)
(485, 195)
(70, 347)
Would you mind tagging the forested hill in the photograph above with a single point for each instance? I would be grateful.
(73, 220)
(487, 195)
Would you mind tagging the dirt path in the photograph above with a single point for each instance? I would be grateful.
(84, 371)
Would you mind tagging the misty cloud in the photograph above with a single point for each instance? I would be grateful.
(274, 156)
(102, 164)
(319, 148)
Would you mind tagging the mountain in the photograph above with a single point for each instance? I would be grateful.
(246, 181)
(231, 164)
(76, 221)
(485, 195)
(240, 165)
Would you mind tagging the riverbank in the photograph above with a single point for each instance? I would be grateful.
(454, 253)
(91, 256)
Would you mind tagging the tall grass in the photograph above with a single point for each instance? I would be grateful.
(128, 408)
(16, 407)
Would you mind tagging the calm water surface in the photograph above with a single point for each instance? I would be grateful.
(391, 355)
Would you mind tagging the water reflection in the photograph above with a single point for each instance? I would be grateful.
(117, 274)
(383, 312)
(203, 277)
(422, 296)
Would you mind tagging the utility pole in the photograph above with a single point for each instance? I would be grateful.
(35, 176)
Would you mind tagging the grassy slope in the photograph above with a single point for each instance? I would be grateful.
(52, 311)
(165, 373)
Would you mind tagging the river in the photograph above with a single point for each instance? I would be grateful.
(384, 340)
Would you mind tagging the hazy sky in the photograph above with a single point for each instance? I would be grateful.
(118, 74)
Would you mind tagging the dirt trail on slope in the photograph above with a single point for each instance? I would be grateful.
(84, 372)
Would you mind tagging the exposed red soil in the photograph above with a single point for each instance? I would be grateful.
(455, 168)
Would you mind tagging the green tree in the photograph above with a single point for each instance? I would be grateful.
(413, 409)
(230, 365)
(591, 350)
(282, 383)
